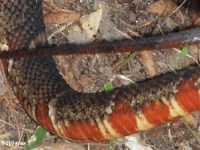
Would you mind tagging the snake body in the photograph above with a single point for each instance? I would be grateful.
(100, 116)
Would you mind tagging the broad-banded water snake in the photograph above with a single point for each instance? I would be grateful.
(50, 101)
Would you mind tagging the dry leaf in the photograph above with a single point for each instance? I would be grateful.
(162, 7)
(197, 22)
(170, 23)
(68, 73)
(181, 16)
(189, 119)
(148, 60)
(90, 23)
(60, 17)
(134, 142)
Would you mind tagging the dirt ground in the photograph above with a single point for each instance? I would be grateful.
(115, 19)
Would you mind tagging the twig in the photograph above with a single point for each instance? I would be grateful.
(166, 42)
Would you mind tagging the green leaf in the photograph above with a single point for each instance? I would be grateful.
(108, 86)
(36, 139)
(184, 51)
(112, 145)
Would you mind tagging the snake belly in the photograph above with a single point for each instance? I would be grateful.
(69, 114)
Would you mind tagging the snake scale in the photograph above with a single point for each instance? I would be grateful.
(50, 101)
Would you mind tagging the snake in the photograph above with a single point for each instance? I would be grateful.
(69, 114)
